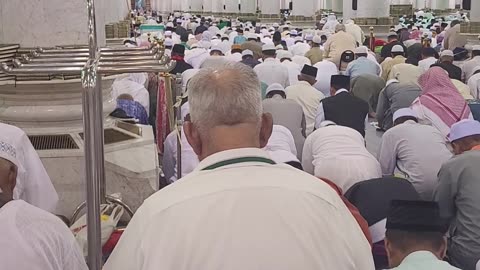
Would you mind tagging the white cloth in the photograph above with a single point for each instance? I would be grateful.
(249, 215)
(33, 184)
(270, 71)
(299, 48)
(427, 117)
(281, 145)
(338, 153)
(301, 60)
(330, 25)
(356, 32)
(235, 57)
(186, 76)
(35, 239)
(170, 157)
(130, 85)
(195, 57)
(290, 41)
(426, 63)
(325, 71)
(415, 152)
(474, 85)
(293, 71)
(469, 67)
(309, 98)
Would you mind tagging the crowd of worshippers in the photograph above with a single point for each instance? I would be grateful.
(275, 169)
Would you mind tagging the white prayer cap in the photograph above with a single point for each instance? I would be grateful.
(216, 48)
(281, 54)
(414, 28)
(252, 36)
(327, 123)
(275, 25)
(476, 48)
(268, 47)
(271, 28)
(9, 152)
(446, 53)
(247, 52)
(317, 39)
(294, 32)
(279, 47)
(464, 128)
(309, 37)
(275, 87)
(298, 39)
(168, 42)
(170, 24)
(194, 45)
(397, 48)
(403, 112)
(361, 50)
(288, 22)
(191, 36)
(168, 33)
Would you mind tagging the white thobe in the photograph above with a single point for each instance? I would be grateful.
(325, 71)
(281, 145)
(33, 183)
(293, 71)
(299, 48)
(195, 57)
(247, 215)
(270, 71)
(170, 157)
(338, 153)
(469, 67)
(289, 41)
(301, 60)
(474, 85)
(426, 63)
(415, 152)
(35, 239)
(309, 98)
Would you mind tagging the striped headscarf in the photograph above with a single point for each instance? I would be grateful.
(441, 97)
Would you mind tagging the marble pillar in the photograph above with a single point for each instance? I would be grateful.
(348, 12)
(327, 4)
(48, 23)
(248, 6)
(196, 5)
(185, 5)
(475, 11)
(440, 4)
(372, 9)
(305, 8)
(207, 5)
(231, 6)
(401, 2)
(420, 4)
(217, 6)
(337, 5)
(269, 6)
(166, 5)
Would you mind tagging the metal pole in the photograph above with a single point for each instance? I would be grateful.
(93, 139)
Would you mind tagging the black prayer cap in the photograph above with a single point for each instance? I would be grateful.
(309, 71)
(415, 216)
(178, 49)
(340, 80)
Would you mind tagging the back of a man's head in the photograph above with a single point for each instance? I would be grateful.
(225, 109)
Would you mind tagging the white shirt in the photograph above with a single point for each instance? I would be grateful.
(33, 183)
(309, 98)
(338, 153)
(270, 71)
(325, 71)
(249, 215)
(293, 71)
(474, 85)
(281, 145)
(170, 157)
(426, 63)
(35, 239)
(415, 152)
(299, 48)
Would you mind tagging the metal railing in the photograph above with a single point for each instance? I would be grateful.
(91, 63)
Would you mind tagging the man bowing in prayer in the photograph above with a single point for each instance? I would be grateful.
(343, 108)
(306, 95)
(236, 210)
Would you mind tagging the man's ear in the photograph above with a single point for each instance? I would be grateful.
(266, 129)
(193, 137)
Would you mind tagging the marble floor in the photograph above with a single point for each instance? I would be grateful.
(373, 138)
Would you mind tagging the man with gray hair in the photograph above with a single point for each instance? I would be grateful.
(236, 210)
(338, 43)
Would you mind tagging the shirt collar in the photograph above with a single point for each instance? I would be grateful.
(341, 91)
(304, 82)
(231, 154)
(421, 255)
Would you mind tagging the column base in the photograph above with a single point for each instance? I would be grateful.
(375, 21)
(400, 10)
(471, 27)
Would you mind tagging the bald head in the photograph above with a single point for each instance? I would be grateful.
(8, 176)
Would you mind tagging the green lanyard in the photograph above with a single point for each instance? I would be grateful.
(237, 161)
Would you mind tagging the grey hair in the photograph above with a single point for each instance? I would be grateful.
(340, 27)
(227, 94)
